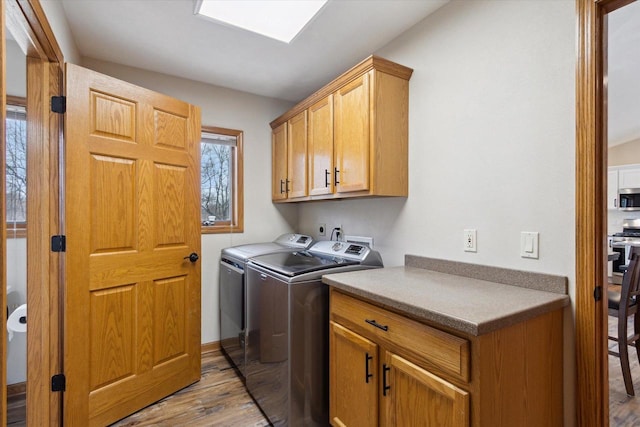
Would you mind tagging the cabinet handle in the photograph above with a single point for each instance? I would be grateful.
(377, 325)
(335, 176)
(367, 375)
(326, 177)
(385, 386)
(281, 184)
(287, 186)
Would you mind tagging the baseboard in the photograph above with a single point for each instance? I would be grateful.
(210, 346)
(16, 389)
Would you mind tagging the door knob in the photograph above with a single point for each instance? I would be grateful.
(193, 257)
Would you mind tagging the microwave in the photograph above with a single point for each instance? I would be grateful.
(629, 199)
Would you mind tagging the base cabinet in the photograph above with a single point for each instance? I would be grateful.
(414, 396)
(387, 369)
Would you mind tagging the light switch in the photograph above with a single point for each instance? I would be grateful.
(529, 244)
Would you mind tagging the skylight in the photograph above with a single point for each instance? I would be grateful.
(278, 19)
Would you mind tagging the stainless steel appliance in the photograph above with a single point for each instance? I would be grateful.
(232, 293)
(629, 199)
(622, 243)
(287, 367)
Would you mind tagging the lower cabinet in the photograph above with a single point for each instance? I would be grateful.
(364, 378)
(387, 369)
(414, 396)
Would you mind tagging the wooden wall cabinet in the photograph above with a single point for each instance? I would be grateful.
(357, 133)
(289, 160)
(387, 369)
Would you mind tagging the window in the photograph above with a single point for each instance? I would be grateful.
(221, 199)
(16, 167)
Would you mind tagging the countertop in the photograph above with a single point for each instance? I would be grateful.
(466, 304)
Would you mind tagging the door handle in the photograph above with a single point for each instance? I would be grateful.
(367, 375)
(193, 257)
(385, 385)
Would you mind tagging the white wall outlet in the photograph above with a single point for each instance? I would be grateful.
(470, 240)
(322, 229)
(529, 241)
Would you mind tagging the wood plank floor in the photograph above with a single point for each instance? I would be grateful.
(218, 399)
(623, 410)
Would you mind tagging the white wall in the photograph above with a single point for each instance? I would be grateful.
(263, 221)
(491, 145)
(54, 11)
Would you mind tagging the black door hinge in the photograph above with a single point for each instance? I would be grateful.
(58, 243)
(59, 104)
(58, 382)
(597, 293)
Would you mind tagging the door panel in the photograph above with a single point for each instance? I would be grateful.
(279, 163)
(297, 155)
(352, 135)
(410, 387)
(321, 147)
(353, 378)
(132, 302)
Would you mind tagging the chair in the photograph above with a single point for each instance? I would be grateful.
(622, 305)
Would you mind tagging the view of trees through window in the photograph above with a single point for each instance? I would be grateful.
(16, 167)
(216, 178)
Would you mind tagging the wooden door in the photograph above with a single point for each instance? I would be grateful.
(416, 397)
(132, 302)
(321, 147)
(297, 155)
(353, 379)
(279, 163)
(352, 135)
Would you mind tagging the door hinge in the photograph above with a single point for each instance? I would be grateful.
(597, 293)
(58, 382)
(58, 243)
(59, 104)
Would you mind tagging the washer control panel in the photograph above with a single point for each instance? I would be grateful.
(352, 251)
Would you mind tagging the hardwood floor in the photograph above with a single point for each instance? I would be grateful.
(623, 410)
(16, 411)
(218, 399)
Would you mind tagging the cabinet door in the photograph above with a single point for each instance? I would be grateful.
(353, 379)
(612, 189)
(279, 163)
(297, 155)
(321, 147)
(352, 135)
(629, 177)
(413, 396)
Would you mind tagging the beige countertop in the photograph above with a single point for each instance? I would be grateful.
(466, 304)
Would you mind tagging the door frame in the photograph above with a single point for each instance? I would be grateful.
(591, 211)
(30, 27)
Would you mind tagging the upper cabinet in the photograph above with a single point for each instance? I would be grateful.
(619, 177)
(289, 159)
(355, 140)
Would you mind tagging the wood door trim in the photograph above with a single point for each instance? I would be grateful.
(3, 224)
(32, 31)
(591, 227)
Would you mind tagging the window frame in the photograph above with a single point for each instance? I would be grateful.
(15, 230)
(236, 223)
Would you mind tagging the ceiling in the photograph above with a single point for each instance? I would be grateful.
(623, 80)
(165, 36)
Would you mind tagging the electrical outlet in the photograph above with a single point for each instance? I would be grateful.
(470, 240)
(322, 229)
